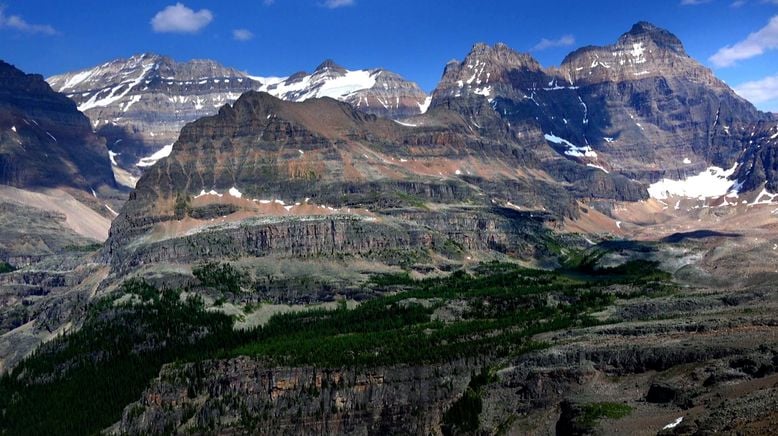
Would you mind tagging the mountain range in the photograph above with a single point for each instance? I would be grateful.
(611, 124)
(140, 104)
(509, 254)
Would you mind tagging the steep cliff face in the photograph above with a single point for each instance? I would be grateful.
(757, 168)
(44, 140)
(241, 395)
(640, 107)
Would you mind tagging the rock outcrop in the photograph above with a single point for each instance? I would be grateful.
(244, 396)
(717, 374)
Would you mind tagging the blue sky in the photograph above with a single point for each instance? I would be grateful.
(412, 37)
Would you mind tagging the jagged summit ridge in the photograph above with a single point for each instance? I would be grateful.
(329, 64)
(640, 106)
(484, 71)
(644, 51)
(661, 37)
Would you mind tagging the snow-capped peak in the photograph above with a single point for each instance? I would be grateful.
(328, 80)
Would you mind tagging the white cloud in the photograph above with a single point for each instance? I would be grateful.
(242, 34)
(18, 23)
(759, 91)
(740, 3)
(332, 4)
(180, 19)
(563, 41)
(693, 2)
(754, 45)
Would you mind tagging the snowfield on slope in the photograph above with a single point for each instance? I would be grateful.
(313, 86)
(151, 160)
(572, 149)
(713, 182)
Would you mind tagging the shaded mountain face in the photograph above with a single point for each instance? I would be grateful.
(44, 140)
(641, 107)
(140, 104)
(757, 168)
(375, 91)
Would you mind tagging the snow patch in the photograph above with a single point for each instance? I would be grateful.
(764, 197)
(598, 167)
(713, 182)
(638, 53)
(485, 91)
(425, 105)
(133, 100)
(673, 424)
(112, 97)
(572, 150)
(686, 161)
(151, 160)
(76, 79)
(211, 192)
(112, 156)
(235, 193)
(314, 86)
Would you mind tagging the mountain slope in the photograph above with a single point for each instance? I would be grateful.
(44, 140)
(641, 107)
(320, 179)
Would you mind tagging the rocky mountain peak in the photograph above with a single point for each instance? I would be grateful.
(645, 51)
(486, 71)
(329, 65)
(662, 38)
(13, 78)
(139, 104)
(501, 56)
